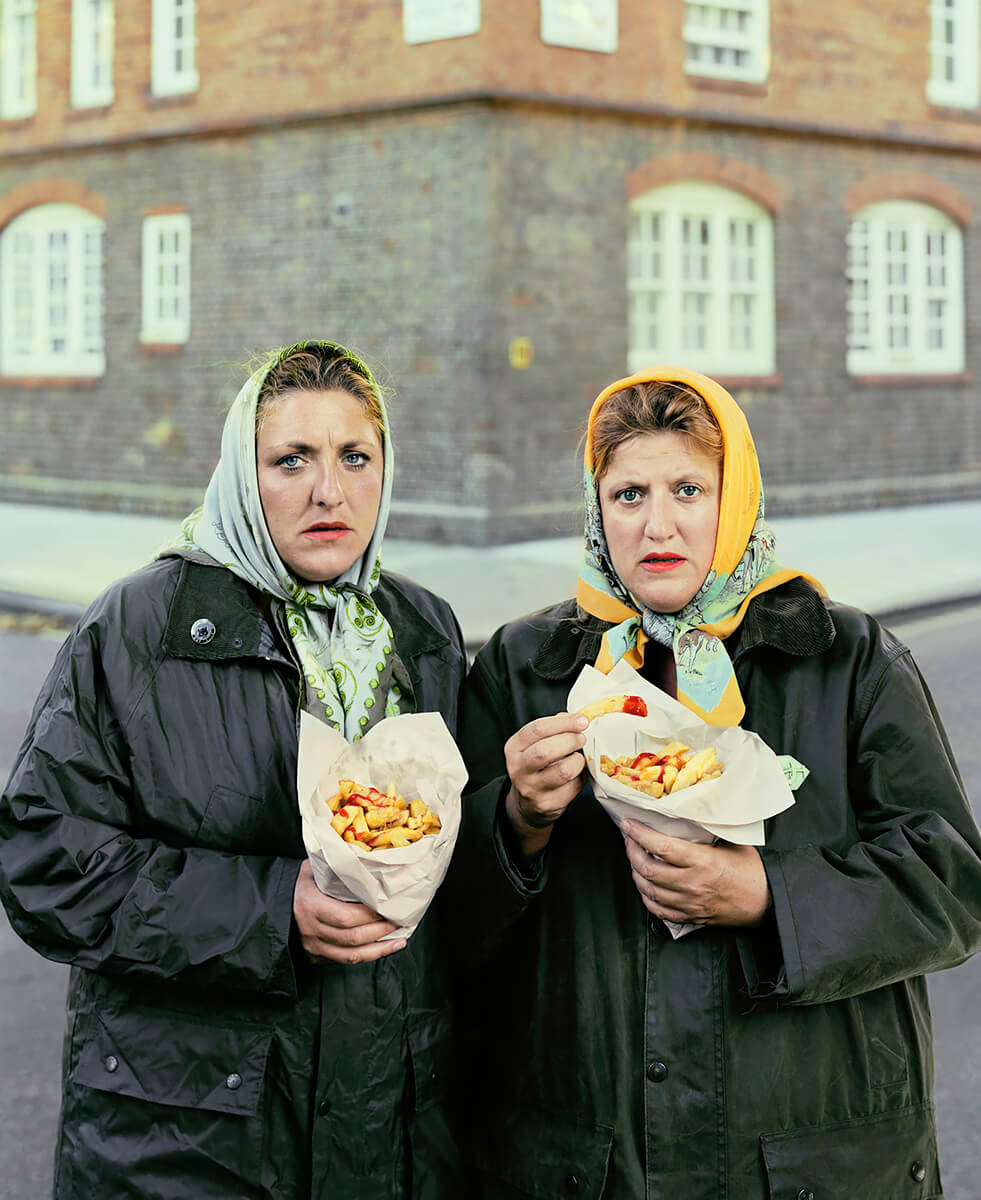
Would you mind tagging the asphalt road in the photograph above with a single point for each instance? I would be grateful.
(32, 990)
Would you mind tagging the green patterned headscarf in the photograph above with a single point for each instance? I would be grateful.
(342, 641)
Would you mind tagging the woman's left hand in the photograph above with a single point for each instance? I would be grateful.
(689, 882)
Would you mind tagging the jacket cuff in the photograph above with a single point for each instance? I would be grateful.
(282, 973)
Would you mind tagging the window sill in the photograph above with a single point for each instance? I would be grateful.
(50, 381)
(172, 99)
(952, 112)
(748, 382)
(929, 379)
(98, 108)
(161, 349)
(713, 83)
(16, 120)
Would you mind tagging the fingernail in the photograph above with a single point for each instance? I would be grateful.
(582, 721)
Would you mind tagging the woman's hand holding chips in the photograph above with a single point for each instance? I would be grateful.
(545, 765)
(690, 882)
(338, 930)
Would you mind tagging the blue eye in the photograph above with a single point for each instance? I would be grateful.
(689, 491)
(290, 461)
(628, 495)
(356, 459)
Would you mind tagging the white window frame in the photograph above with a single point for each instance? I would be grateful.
(955, 50)
(93, 30)
(904, 260)
(51, 293)
(166, 279)
(438, 20)
(174, 37)
(700, 280)
(712, 39)
(18, 58)
(580, 24)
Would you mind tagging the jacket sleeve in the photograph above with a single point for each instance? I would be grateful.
(82, 884)
(905, 899)
(490, 887)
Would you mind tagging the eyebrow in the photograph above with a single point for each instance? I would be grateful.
(306, 448)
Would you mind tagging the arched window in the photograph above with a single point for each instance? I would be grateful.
(51, 293)
(905, 291)
(700, 280)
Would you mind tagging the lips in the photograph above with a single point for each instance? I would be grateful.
(326, 531)
(661, 562)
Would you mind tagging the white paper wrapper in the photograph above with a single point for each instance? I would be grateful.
(418, 753)
(751, 788)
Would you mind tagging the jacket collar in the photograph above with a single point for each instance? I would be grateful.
(213, 615)
(791, 618)
(413, 633)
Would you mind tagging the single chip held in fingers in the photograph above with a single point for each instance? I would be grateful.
(634, 706)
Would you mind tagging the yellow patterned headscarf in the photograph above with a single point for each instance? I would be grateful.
(743, 566)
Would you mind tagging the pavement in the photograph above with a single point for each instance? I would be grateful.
(893, 561)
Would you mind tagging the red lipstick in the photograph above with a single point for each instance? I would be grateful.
(326, 531)
(661, 562)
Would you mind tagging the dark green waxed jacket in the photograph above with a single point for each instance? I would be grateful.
(149, 836)
(784, 1062)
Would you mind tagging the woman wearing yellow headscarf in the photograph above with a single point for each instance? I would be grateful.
(783, 1048)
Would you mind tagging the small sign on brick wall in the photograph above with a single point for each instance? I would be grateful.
(434, 20)
(581, 24)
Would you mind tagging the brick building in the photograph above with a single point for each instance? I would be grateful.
(504, 205)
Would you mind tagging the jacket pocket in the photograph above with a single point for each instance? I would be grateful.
(549, 1160)
(892, 1156)
(435, 1163)
(166, 1100)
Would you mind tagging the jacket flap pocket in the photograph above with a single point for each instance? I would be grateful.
(887, 1157)
(169, 1059)
(548, 1159)
(429, 1049)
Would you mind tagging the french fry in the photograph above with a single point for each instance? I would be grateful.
(634, 705)
(375, 820)
(667, 771)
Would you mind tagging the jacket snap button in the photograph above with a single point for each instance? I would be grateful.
(323, 1107)
(233, 1081)
(237, 642)
(202, 631)
(657, 1072)
(918, 1171)
(805, 1194)
(572, 1184)
(111, 1063)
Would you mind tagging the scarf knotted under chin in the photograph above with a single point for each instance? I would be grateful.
(342, 641)
(743, 566)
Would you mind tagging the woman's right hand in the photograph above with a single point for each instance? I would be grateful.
(338, 931)
(544, 763)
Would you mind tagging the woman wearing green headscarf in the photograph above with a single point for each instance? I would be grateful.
(782, 1047)
(232, 1031)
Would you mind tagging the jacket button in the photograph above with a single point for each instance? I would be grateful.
(237, 642)
(202, 631)
(323, 1108)
(657, 1072)
(572, 1184)
(918, 1171)
(111, 1063)
(233, 1082)
(805, 1194)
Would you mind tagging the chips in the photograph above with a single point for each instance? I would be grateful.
(379, 820)
(634, 706)
(666, 771)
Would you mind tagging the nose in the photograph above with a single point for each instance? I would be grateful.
(658, 517)
(327, 490)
